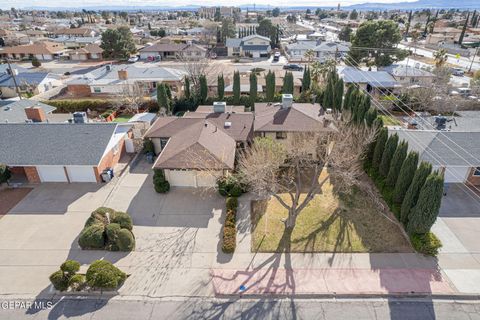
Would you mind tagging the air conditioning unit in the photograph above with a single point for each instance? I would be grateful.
(219, 106)
(80, 117)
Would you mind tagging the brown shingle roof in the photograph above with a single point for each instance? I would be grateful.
(45, 47)
(300, 117)
(199, 146)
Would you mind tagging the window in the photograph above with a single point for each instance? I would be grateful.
(97, 90)
(281, 135)
(476, 173)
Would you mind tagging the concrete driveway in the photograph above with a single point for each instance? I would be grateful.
(458, 227)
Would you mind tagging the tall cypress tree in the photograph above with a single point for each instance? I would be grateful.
(203, 94)
(348, 97)
(220, 87)
(253, 87)
(387, 156)
(187, 88)
(379, 147)
(306, 79)
(405, 177)
(462, 35)
(162, 98)
(396, 163)
(370, 116)
(288, 83)
(423, 215)
(236, 87)
(338, 95)
(413, 191)
(270, 86)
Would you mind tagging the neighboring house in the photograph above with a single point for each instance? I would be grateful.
(75, 32)
(45, 152)
(25, 110)
(199, 148)
(244, 89)
(408, 75)
(297, 50)
(374, 82)
(279, 120)
(448, 35)
(173, 51)
(117, 79)
(76, 42)
(45, 50)
(457, 153)
(331, 50)
(89, 52)
(254, 46)
(29, 83)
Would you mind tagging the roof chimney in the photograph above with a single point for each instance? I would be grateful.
(287, 101)
(122, 74)
(36, 114)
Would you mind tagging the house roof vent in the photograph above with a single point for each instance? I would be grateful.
(227, 124)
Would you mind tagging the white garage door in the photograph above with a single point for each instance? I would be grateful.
(81, 174)
(456, 174)
(180, 178)
(52, 174)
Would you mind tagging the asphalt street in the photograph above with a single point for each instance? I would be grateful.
(262, 308)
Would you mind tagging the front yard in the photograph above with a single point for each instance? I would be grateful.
(330, 223)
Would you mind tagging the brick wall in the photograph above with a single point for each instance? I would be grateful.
(110, 159)
(32, 174)
(79, 90)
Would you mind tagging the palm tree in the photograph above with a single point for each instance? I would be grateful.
(440, 57)
(319, 70)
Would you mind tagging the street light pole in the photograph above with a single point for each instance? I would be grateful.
(473, 59)
(14, 79)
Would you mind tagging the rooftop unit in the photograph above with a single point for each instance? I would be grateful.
(219, 106)
(287, 101)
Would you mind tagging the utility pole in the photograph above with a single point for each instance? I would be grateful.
(14, 79)
(473, 59)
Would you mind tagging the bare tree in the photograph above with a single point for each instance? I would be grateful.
(195, 68)
(130, 98)
(271, 168)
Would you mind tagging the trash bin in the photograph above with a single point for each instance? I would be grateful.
(106, 176)
(150, 157)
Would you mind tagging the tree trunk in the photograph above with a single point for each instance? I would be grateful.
(292, 216)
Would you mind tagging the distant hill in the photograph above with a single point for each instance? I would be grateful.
(420, 4)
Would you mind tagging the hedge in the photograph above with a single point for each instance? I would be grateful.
(426, 243)
(98, 105)
(232, 203)
(123, 219)
(92, 237)
(160, 184)
(229, 228)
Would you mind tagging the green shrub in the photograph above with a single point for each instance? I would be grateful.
(232, 203)
(66, 106)
(123, 219)
(111, 231)
(70, 267)
(426, 243)
(92, 237)
(59, 280)
(148, 146)
(160, 184)
(230, 186)
(229, 239)
(77, 282)
(99, 216)
(103, 274)
(5, 173)
(125, 240)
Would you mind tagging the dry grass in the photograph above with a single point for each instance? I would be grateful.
(330, 223)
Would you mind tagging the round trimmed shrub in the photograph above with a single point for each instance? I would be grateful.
(77, 282)
(99, 216)
(92, 237)
(103, 274)
(123, 219)
(59, 281)
(111, 230)
(236, 190)
(125, 240)
(70, 267)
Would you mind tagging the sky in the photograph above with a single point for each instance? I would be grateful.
(6, 4)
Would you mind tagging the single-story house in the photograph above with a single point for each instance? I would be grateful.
(22, 111)
(199, 148)
(297, 50)
(89, 52)
(45, 50)
(61, 152)
(28, 83)
(278, 120)
(244, 89)
(458, 153)
(254, 46)
(375, 82)
(408, 75)
(173, 51)
(116, 79)
(331, 50)
(75, 32)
